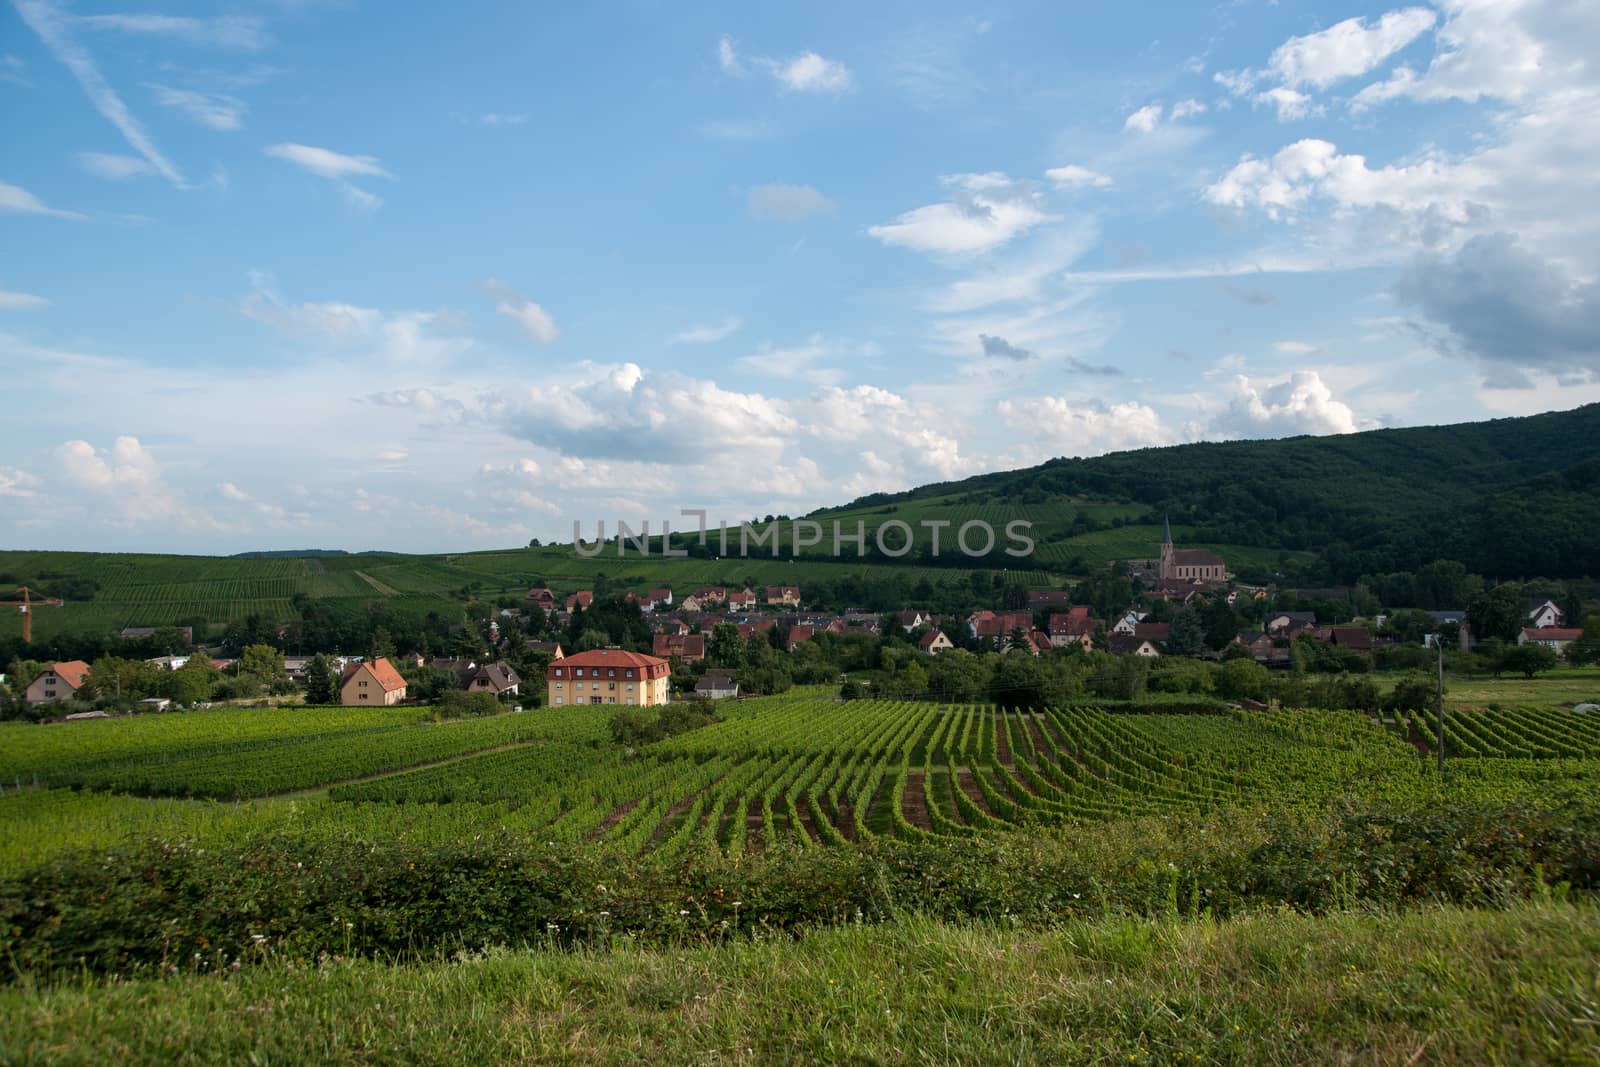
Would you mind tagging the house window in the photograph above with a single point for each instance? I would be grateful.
(362, 684)
(611, 700)
(363, 696)
(611, 685)
(630, 674)
(558, 685)
(630, 689)
(578, 672)
(611, 674)
(560, 701)
(630, 700)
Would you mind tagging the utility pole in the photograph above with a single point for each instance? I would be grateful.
(1440, 643)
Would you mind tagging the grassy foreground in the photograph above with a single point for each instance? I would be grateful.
(1434, 986)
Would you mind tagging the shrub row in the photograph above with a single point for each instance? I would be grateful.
(164, 905)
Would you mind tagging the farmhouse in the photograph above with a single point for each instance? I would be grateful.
(372, 683)
(608, 676)
(59, 682)
(1552, 637)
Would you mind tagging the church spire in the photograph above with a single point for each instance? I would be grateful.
(1166, 530)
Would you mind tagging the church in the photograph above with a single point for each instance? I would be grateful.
(1188, 564)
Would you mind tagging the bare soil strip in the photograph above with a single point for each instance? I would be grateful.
(616, 816)
(386, 590)
(969, 786)
(1002, 743)
(916, 803)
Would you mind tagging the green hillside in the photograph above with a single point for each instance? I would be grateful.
(1512, 498)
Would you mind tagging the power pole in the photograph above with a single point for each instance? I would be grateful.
(1440, 643)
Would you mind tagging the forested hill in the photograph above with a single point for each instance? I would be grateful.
(1510, 497)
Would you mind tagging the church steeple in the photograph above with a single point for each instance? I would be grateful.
(1164, 566)
(1166, 530)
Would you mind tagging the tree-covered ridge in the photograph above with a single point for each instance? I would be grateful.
(1510, 497)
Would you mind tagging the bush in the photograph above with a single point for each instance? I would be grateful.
(460, 704)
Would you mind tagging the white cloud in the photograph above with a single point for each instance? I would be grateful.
(359, 198)
(1347, 49)
(1087, 428)
(18, 483)
(1184, 109)
(501, 118)
(985, 212)
(1299, 404)
(788, 203)
(16, 198)
(702, 335)
(1294, 348)
(326, 163)
(126, 475)
(870, 413)
(114, 167)
(1145, 119)
(216, 110)
(242, 32)
(798, 362)
(621, 411)
(727, 58)
(1291, 104)
(811, 73)
(534, 320)
(1072, 176)
(54, 27)
(13, 301)
(402, 336)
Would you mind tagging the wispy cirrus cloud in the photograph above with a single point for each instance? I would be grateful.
(243, 32)
(535, 321)
(16, 199)
(216, 110)
(335, 166)
(54, 28)
(113, 166)
(13, 301)
(788, 203)
(708, 334)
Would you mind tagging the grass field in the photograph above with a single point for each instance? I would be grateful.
(1442, 986)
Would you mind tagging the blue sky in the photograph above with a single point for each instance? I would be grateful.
(341, 274)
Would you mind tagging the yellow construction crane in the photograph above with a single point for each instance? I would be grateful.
(26, 606)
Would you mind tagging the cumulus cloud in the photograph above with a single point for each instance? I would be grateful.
(1087, 428)
(1145, 120)
(18, 483)
(409, 336)
(1072, 176)
(1291, 104)
(871, 413)
(1347, 49)
(622, 412)
(788, 203)
(1510, 308)
(535, 321)
(216, 110)
(126, 475)
(1299, 404)
(984, 212)
(1184, 109)
(1294, 348)
(810, 73)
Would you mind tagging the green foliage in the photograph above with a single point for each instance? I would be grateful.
(633, 727)
(461, 704)
(1528, 659)
(322, 680)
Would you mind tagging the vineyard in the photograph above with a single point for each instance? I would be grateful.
(789, 772)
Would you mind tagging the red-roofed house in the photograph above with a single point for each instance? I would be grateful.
(540, 597)
(1049, 598)
(608, 676)
(59, 682)
(372, 683)
(1074, 627)
(934, 642)
(690, 648)
(798, 633)
(786, 595)
(1555, 637)
(998, 624)
(580, 600)
(743, 600)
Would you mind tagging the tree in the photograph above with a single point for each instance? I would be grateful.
(1015, 597)
(1528, 659)
(726, 648)
(263, 663)
(322, 682)
(1241, 679)
(1188, 634)
(192, 682)
(1586, 649)
(1497, 613)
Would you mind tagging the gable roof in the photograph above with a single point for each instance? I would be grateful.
(73, 671)
(383, 672)
(611, 657)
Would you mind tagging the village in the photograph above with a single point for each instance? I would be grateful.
(716, 642)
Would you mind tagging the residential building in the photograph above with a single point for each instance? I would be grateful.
(798, 633)
(998, 625)
(59, 682)
(1544, 614)
(552, 647)
(743, 600)
(911, 618)
(581, 599)
(716, 685)
(660, 598)
(1290, 622)
(608, 676)
(1355, 638)
(372, 683)
(1073, 627)
(498, 678)
(541, 598)
(787, 596)
(1049, 598)
(689, 648)
(934, 642)
(1554, 637)
(1125, 645)
(711, 594)
(1155, 632)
